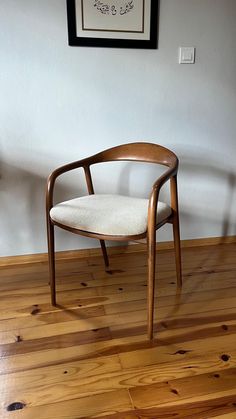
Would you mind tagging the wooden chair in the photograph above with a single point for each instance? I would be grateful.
(115, 217)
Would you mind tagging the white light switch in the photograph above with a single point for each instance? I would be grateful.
(186, 55)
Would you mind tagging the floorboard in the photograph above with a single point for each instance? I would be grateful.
(89, 357)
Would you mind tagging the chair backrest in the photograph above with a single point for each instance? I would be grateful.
(136, 152)
(140, 152)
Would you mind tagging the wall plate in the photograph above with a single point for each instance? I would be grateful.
(186, 55)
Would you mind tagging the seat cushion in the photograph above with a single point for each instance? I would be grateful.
(115, 215)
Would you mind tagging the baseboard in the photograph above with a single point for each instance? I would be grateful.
(130, 248)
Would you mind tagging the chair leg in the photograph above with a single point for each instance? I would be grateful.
(151, 283)
(104, 253)
(51, 260)
(177, 247)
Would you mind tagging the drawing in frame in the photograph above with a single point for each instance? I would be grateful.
(113, 23)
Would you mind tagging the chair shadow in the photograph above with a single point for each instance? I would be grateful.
(74, 313)
(213, 171)
(22, 205)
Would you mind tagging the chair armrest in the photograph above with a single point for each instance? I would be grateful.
(164, 178)
(55, 174)
(153, 200)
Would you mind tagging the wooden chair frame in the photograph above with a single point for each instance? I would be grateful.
(138, 152)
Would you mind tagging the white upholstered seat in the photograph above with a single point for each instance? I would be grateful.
(107, 214)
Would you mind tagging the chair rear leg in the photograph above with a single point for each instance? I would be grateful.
(151, 283)
(104, 253)
(51, 260)
(177, 247)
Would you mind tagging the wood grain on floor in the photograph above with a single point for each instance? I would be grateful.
(90, 357)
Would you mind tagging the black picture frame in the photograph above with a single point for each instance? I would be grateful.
(75, 40)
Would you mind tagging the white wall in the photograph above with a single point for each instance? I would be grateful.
(60, 103)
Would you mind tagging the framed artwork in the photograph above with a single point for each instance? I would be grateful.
(113, 23)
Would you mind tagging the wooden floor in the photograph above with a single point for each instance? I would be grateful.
(90, 357)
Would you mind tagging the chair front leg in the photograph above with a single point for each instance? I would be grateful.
(51, 260)
(151, 245)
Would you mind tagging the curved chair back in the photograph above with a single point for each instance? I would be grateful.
(140, 152)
